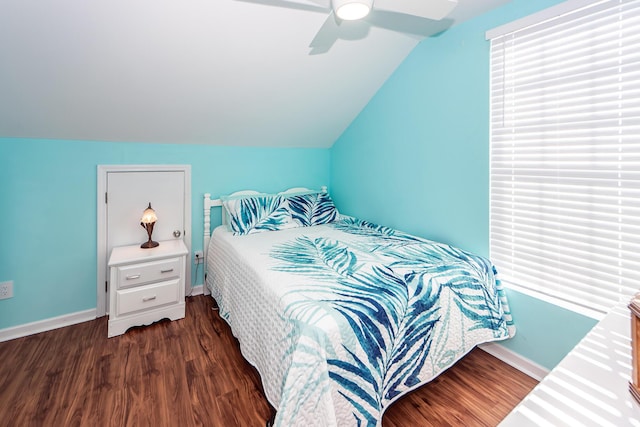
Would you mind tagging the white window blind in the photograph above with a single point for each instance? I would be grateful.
(565, 155)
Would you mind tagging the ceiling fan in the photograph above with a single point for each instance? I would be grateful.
(351, 19)
(350, 10)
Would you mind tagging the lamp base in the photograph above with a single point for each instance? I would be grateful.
(149, 244)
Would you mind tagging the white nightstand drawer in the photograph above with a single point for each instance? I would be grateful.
(138, 274)
(145, 297)
(146, 285)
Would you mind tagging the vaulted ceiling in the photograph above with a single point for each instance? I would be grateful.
(225, 72)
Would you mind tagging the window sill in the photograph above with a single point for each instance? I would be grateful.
(585, 311)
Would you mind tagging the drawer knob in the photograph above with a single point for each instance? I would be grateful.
(145, 299)
(133, 277)
(166, 271)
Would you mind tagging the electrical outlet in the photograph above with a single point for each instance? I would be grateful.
(199, 257)
(6, 290)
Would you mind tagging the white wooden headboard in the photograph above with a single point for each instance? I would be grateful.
(211, 203)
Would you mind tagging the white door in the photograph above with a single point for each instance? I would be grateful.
(127, 193)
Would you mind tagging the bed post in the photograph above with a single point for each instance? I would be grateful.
(208, 204)
(207, 223)
(207, 237)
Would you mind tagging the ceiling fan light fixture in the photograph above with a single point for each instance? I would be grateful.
(351, 10)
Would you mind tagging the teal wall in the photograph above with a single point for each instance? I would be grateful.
(417, 158)
(48, 208)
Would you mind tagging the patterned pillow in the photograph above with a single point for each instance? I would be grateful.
(312, 209)
(257, 213)
(270, 212)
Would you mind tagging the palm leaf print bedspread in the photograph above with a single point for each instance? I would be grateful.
(366, 313)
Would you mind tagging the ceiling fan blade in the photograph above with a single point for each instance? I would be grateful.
(326, 36)
(289, 5)
(324, 3)
(407, 24)
(335, 28)
(429, 9)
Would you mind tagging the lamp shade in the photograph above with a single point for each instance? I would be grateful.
(147, 222)
(351, 10)
(149, 216)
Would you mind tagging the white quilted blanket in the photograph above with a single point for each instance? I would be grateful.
(342, 319)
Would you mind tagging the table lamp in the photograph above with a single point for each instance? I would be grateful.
(147, 221)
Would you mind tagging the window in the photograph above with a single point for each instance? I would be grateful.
(565, 153)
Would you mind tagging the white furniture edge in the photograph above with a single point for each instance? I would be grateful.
(101, 303)
(120, 326)
(590, 385)
(511, 358)
(45, 325)
(210, 203)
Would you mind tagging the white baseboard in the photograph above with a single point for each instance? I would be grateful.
(512, 358)
(196, 290)
(46, 324)
(60, 321)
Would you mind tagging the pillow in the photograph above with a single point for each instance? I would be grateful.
(258, 213)
(312, 209)
(248, 214)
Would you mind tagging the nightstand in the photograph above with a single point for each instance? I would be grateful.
(146, 285)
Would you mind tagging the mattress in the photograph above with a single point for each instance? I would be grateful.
(342, 319)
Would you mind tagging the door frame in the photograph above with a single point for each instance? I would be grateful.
(102, 256)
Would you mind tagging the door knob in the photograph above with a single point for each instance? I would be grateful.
(176, 233)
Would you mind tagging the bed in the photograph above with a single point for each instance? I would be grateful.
(340, 316)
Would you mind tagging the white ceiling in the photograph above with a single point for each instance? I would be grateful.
(224, 72)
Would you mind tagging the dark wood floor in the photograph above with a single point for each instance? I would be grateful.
(190, 373)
